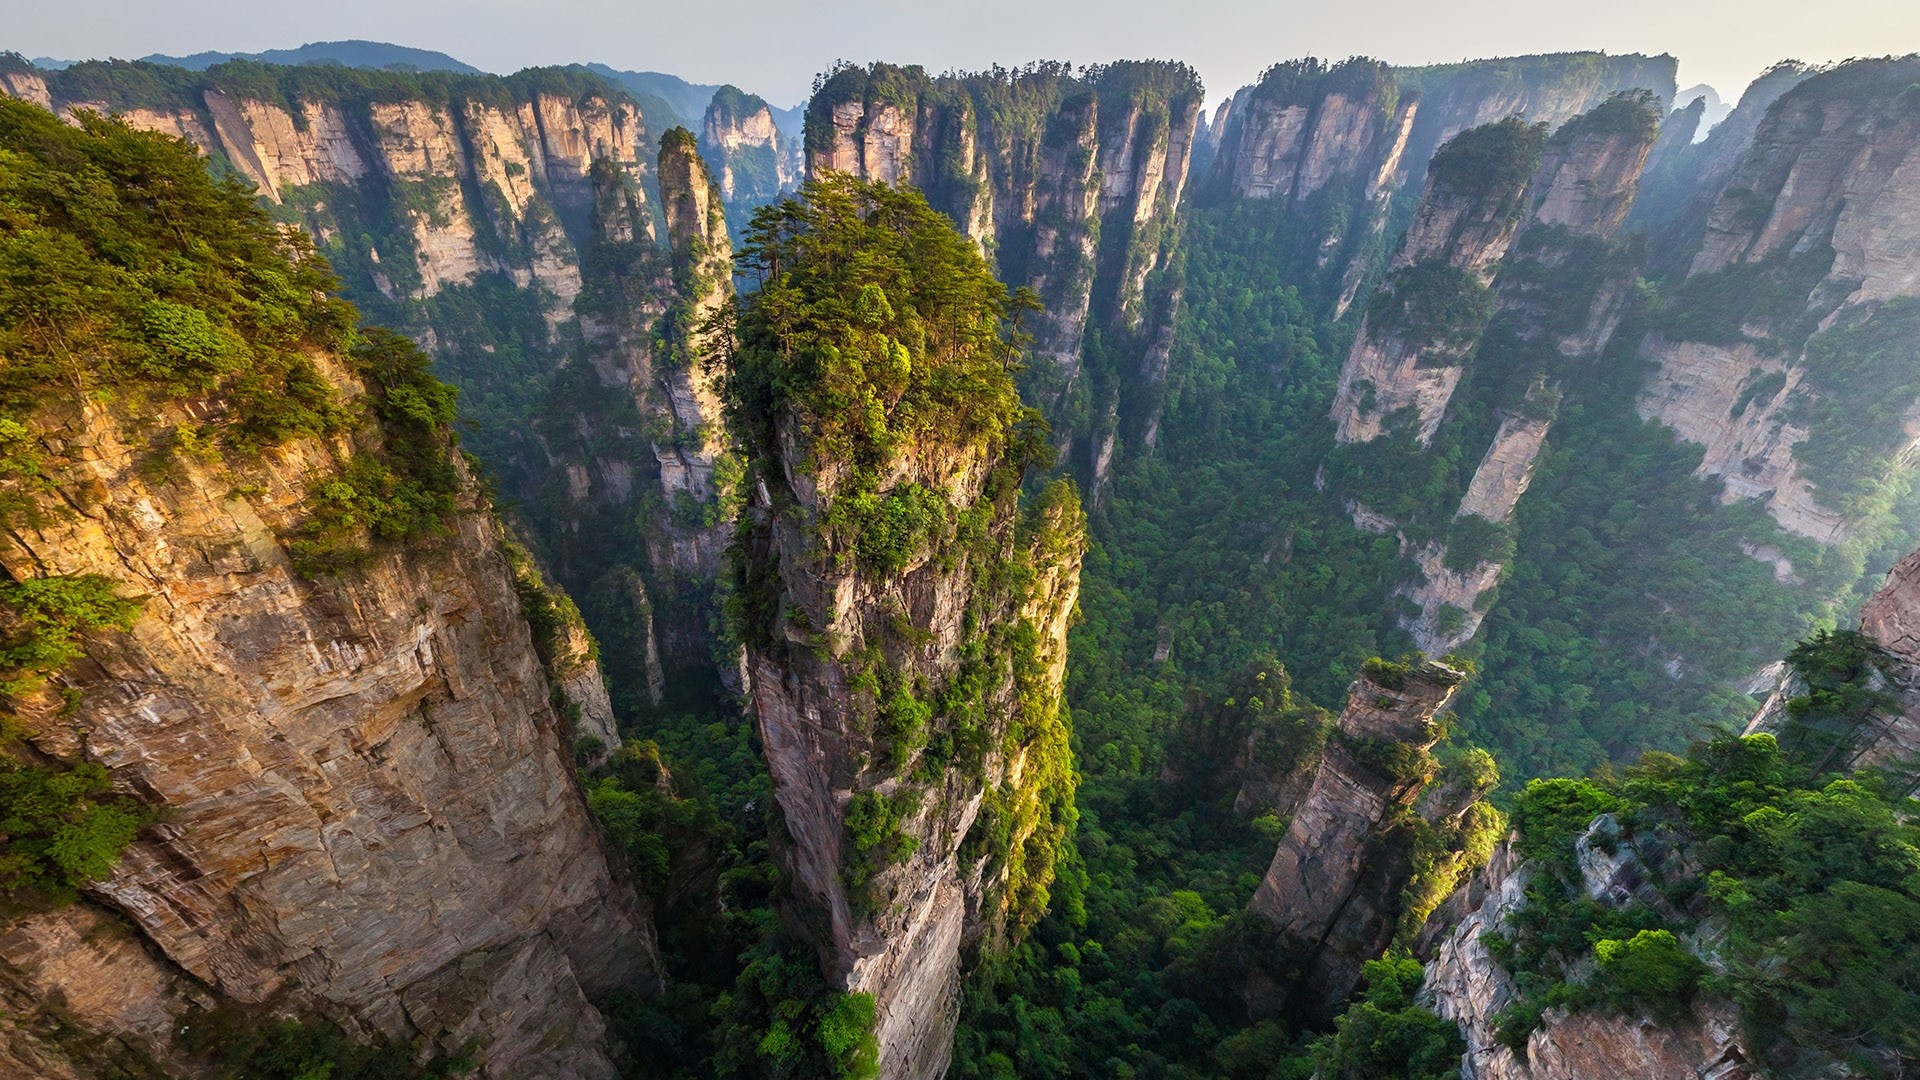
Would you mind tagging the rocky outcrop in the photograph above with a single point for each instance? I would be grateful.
(1427, 317)
(371, 811)
(1072, 181)
(1333, 892)
(703, 281)
(1889, 735)
(1891, 618)
(1545, 89)
(1677, 133)
(899, 932)
(1465, 984)
(1591, 168)
(905, 627)
(1810, 252)
(632, 423)
(753, 161)
(1304, 127)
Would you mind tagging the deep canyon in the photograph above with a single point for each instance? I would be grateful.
(1405, 572)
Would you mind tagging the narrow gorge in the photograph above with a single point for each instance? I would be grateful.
(1047, 571)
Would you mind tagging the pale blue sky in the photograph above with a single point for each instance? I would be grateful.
(775, 48)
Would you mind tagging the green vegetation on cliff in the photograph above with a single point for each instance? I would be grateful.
(125, 267)
(1814, 876)
(875, 325)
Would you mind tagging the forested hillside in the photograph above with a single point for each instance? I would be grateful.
(1084, 587)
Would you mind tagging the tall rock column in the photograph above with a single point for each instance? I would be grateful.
(1419, 328)
(1072, 181)
(703, 281)
(317, 663)
(1559, 294)
(1333, 894)
(905, 618)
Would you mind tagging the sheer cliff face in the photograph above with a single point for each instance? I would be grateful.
(1549, 89)
(1780, 355)
(1333, 891)
(510, 225)
(752, 162)
(1686, 172)
(1072, 182)
(370, 806)
(1427, 317)
(1327, 141)
(1305, 123)
(1467, 985)
(978, 830)
(703, 281)
(1523, 270)
(905, 616)
(470, 186)
(1297, 133)
(1559, 294)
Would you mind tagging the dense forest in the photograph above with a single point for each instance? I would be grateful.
(908, 453)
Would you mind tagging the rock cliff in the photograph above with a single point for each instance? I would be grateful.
(512, 225)
(361, 768)
(1546, 89)
(1777, 352)
(753, 161)
(1329, 142)
(1558, 296)
(1696, 168)
(1467, 985)
(1424, 322)
(1889, 733)
(905, 616)
(1073, 181)
(1334, 894)
(423, 184)
(702, 254)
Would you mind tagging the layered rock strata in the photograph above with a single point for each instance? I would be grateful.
(1807, 273)
(471, 185)
(1332, 893)
(370, 807)
(1073, 183)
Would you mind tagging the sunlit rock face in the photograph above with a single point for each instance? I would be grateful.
(370, 808)
(1810, 256)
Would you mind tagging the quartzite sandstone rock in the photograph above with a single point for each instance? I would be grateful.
(370, 804)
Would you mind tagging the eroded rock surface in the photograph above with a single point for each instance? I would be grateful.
(1823, 208)
(371, 810)
(1467, 985)
(1331, 892)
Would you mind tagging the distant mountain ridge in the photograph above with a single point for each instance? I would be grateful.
(689, 100)
(357, 54)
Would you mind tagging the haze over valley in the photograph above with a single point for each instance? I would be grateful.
(1260, 565)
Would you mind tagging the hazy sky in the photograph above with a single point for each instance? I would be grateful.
(775, 48)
